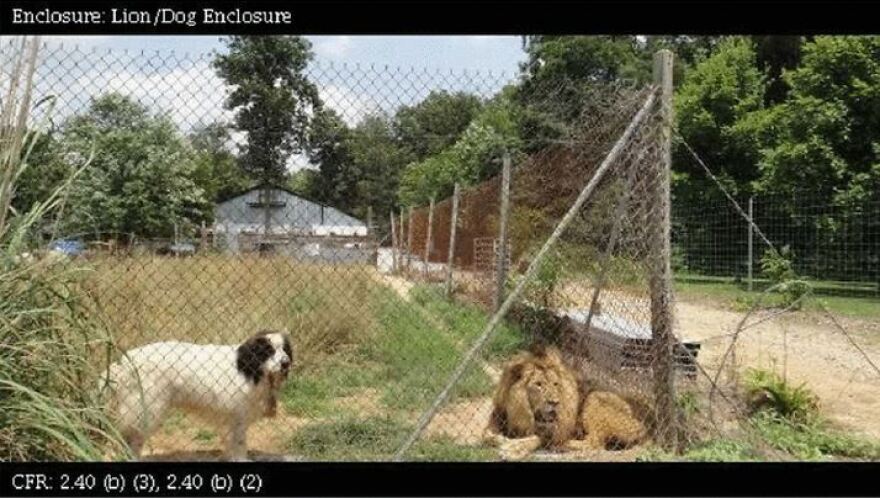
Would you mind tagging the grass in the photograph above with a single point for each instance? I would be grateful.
(375, 438)
(768, 437)
(420, 347)
(734, 295)
(220, 299)
(785, 424)
(50, 407)
(360, 349)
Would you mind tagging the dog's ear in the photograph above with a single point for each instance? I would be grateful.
(252, 355)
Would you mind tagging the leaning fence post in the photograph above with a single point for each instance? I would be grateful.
(409, 240)
(751, 235)
(452, 226)
(501, 253)
(661, 274)
(428, 240)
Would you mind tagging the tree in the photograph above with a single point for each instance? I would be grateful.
(377, 162)
(44, 172)
(329, 149)
(216, 171)
(303, 182)
(826, 134)
(436, 122)
(560, 75)
(140, 179)
(272, 99)
(715, 113)
(475, 157)
(776, 54)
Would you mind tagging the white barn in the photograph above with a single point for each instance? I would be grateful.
(243, 217)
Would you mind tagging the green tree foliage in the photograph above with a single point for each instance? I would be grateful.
(44, 172)
(329, 149)
(776, 54)
(140, 179)
(303, 182)
(216, 171)
(825, 136)
(378, 159)
(272, 99)
(473, 158)
(714, 111)
(558, 74)
(358, 167)
(426, 128)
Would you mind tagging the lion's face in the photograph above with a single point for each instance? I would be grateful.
(544, 392)
(538, 395)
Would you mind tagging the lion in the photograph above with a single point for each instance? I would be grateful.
(538, 404)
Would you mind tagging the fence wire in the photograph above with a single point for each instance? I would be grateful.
(308, 318)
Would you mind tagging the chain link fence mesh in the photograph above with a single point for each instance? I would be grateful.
(373, 337)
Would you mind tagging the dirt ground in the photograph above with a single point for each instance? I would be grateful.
(805, 347)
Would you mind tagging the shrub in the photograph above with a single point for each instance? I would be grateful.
(778, 267)
(767, 390)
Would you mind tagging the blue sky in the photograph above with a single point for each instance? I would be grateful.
(487, 53)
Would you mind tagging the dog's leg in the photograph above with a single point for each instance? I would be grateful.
(236, 449)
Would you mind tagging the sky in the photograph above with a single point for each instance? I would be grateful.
(356, 76)
(486, 53)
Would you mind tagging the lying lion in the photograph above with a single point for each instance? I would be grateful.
(538, 404)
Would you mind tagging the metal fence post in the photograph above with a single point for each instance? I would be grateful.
(751, 236)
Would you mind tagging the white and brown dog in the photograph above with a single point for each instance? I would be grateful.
(229, 386)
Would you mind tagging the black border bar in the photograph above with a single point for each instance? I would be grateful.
(318, 17)
(442, 479)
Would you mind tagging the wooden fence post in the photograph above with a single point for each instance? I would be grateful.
(452, 226)
(428, 240)
(203, 242)
(400, 243)
(661, 274)
(501, 252)
(394, 247)
(409, 240)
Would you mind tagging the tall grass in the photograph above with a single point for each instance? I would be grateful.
(48, 340)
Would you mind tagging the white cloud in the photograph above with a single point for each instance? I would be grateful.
(351, 105)
(191, 95)
(333, 47)
(78, 40)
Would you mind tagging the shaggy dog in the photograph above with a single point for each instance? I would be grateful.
(229, 386)
(538, 404)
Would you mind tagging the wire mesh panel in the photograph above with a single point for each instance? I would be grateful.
(254, 304)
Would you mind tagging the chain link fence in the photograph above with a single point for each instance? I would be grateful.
(833, 245)
(300, 324)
